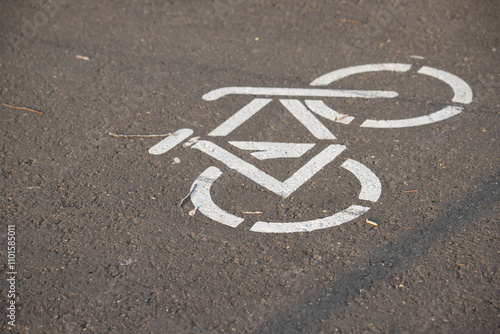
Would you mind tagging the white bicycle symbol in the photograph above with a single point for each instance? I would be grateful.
(304, 112)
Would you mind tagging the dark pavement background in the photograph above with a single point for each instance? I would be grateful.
(102, 245)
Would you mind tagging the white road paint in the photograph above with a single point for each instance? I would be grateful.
(305, 92)
(341, 217)
(319, 107)
(191, 141)
(269, 150)
(283, 189)
(370, 183)
(240, 117)
(463, 92)
(328, 78)
(304, 116)
(200, 196)
(437, 116)
(170, 142)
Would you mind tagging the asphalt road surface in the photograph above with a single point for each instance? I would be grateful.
(347, 182)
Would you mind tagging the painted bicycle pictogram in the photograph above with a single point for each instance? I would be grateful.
(305, 111)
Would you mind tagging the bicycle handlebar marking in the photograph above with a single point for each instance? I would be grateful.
(303, 92)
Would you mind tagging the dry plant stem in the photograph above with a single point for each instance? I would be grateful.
(22, 108)
(118, 135)
(350, 21)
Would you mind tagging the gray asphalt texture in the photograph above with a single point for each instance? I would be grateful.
(102, 243)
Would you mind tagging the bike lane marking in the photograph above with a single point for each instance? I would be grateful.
(463, 92)
(437, 116)
(202, 200)
(283, 189)
(320, 108)
(269, 150)
(170, 142)
(304, 112)
(240, 117)
(370, 184)
(339, 218)
(303, 92)
(304, 116)
(328, 78)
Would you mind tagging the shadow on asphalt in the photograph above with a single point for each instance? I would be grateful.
(336, 296)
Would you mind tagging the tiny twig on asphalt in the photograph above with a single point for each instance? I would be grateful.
(82, 57)
(414, 228)
(118, 135)
(371, 222)
(350, 21)
(410, 191)
(22, 108)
